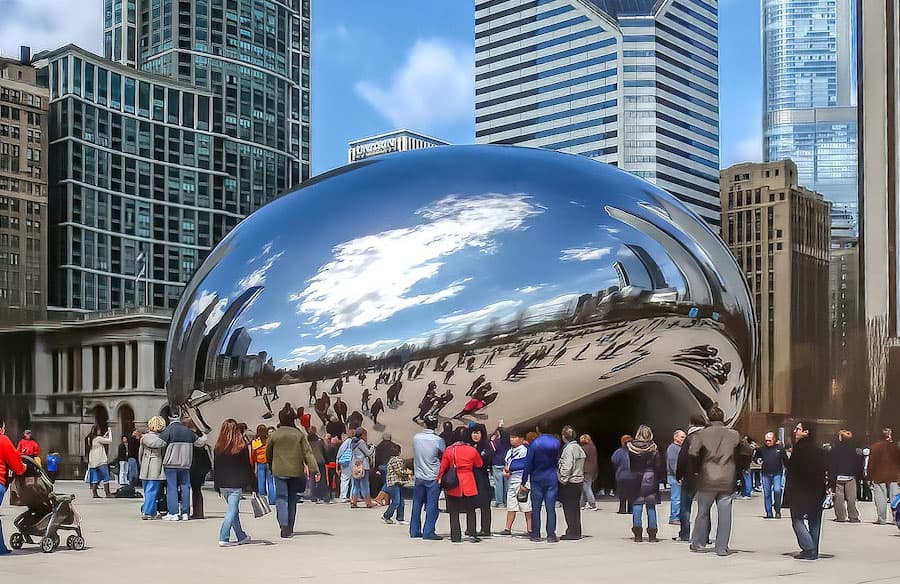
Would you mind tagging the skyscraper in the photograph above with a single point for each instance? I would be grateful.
(779, 233)
(809, 62)
(628, 82)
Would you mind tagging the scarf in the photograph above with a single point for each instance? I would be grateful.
(641, 447)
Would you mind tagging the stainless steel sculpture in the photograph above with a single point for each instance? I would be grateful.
(467, 283)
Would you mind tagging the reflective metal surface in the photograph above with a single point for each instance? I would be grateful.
(466, 282)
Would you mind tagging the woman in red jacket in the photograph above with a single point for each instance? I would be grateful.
(10, 460)
(461, 498)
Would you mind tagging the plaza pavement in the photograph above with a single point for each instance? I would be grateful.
(335, 544)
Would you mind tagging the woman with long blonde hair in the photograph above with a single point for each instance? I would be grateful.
(233, 474)
(152, 474)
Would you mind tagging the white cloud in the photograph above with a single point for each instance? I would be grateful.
(50, 24)
(435, 86)
(258, 276)
(552, 307)
(498, 311)
(530, 289)
(372, 277)
(269, 326)
(306, 353)
(583, 254)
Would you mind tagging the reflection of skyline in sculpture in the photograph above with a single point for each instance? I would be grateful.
(561, 280)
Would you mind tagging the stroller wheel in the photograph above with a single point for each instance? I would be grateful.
(78, 543)
(16, 541)
(48, 545)
(70, 541)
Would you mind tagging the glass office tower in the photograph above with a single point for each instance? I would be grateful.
(629, 82)
(809, 54)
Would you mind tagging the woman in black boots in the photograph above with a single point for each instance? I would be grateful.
(647, 466)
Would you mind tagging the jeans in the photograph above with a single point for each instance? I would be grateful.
(675, 500)
(265, 482)
(845, 500)
(546, 494)
(396, 496)
(232, 519)
(424, 493)
(883, 493)
(808, 529)
(748, 484)
(637, 512)
(687, 501)
(501, 485)
(587, 492)
(360, 487)
(705, 501)
(178, 480)
(287, 490)
(151, 492)
(123, 472)
(570, 496)
(346, 480)
(133, 479)
(3, 548)
(772, 490)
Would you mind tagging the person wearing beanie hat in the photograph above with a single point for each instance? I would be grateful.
(378, 478)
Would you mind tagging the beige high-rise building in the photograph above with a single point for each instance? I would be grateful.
(23, 189)
(779, 233)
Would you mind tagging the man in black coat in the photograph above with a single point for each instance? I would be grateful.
(686, 475)
(845, 467)
(806, 489)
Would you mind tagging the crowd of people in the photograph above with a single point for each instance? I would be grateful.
(526, 472)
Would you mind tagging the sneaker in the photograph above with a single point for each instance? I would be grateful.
(552, 539)
(433, 537)
(185, 517)
(778, 515)
(855, 521)
(171, 517)
(244, 541)
(227, 544)
(401, 522)
(388, 520)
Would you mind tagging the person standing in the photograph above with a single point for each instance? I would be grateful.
(717, 453)
(180, 442)
(53, 460)
(152, 474)
(98, 460)
(686, 474)
(288, 450)
(570, 474)
(516, 456)
(624, 477)
(591, 470)
(28, 446)
(540, 466)
(771, 458)
(361, 464)
(672, 453)
(884, 473)
(647, 465)
(201, 465)
(845, 467)
(500, 443)
(10, 462)
(134, 446)
(460, 498)
(122, 461)
(320, 491)
(428, 450)
(395, 475)
(233, 475)
(343, 460)
(265, 482)
(476, 436)
(806, 488)
(383, 452)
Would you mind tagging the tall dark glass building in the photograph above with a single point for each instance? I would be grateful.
(198, 115)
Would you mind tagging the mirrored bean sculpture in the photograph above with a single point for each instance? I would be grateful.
(466, 284)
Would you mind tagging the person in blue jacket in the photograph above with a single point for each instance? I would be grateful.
(540, 466)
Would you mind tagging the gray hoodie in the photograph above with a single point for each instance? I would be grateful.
(180, 442)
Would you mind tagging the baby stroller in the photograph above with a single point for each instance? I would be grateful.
(47, 512)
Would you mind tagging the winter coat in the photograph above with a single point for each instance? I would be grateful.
(717, 453)
(97, 457)
(151, 455)
(805, 484)
(844, 460)
(647, 469)
(10, 459)
(482, 476)
(591, 466)
(465, 458)
(625, 479)
(570, 469)
(233, 471)
(884, 462)
(180, 442)
(685, 470)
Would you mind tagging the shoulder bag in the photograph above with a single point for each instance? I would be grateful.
(450, 479)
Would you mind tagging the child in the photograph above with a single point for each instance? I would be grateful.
(53, 465)
(397, 474)
(515, 457)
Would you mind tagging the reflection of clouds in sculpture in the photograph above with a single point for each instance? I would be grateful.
(502, 311)
(530, 289)
(269, 326)
(258, 276)
(552, 307)
(371, 277)
(309, 353)
(584, 254)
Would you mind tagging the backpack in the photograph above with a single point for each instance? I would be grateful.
(346, 456)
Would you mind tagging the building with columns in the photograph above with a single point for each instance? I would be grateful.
(60, 377)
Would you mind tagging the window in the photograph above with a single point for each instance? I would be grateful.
(115, 94)
(144, 99)
(129, 95)
(102, 83)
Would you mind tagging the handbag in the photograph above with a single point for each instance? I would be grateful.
(261, 507)
(522, 495)
(359, 471)
(828, 503)
(450, 479)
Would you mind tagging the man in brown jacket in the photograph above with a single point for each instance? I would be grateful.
(884, 473)
(713, 451)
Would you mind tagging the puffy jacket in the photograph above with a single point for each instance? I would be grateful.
(180, 442)
(151, 455)
(648, 469)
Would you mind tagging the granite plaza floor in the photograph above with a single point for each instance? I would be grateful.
(335, 544)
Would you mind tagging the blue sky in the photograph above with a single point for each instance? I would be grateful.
(382, 64)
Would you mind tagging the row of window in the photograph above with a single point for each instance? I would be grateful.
(21, 97)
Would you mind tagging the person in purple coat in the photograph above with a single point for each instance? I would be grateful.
(648, 468)
(622, 465)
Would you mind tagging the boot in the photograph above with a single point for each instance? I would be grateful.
(353, 502)
(106, 491)
(94, 488)
(638, 533)
(652, 533)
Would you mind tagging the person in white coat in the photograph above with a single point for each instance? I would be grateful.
(152, 474)
(98, 460)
